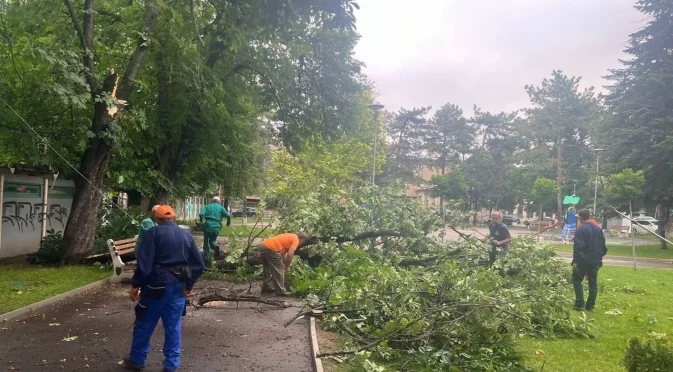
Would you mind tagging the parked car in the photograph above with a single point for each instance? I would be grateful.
(647, 222)
(249, 211)
(510, 219)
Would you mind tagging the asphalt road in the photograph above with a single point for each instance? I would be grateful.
(93, 333)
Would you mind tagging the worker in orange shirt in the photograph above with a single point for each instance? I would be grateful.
(591, 220)
(277, 253)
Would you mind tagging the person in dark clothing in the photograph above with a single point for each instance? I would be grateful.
(500, 237)
(168, 266)
(588, 251)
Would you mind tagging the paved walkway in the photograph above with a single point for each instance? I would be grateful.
(653, 263)
(216, 337)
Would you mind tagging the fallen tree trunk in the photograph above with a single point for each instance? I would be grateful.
(240, 298)
(418, 261)
(254, 258)
(342, 239)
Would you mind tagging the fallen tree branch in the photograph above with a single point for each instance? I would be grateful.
(418, 261)
(316, 313)
(241, 298)
(461, 234)
(342, 239)
(390, 335)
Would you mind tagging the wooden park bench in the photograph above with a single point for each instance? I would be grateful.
(118, 248)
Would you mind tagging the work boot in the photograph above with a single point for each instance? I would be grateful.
(579, 308)
(129, 365)
(217, 252)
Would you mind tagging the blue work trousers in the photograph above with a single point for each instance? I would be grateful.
(169, 307)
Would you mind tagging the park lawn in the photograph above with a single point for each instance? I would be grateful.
(619, 289)
(23, 284)
(643, 251)
(239, 221)
(245, 231)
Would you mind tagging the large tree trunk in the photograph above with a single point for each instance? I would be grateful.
(664, 222)
(179, 136)
(441, 197)
(476, 203)
(159, 197)
(559, 177)
(135, 198)
(80, 230)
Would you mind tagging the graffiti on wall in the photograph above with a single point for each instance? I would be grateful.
(22, 215)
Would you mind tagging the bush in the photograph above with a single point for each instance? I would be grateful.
(653, 354)
(51, 249)
(116, 224)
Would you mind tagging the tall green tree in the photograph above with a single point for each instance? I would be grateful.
(641, 113)
(195, 89)
(543, 190)
(559, 121)
(496, 135)
(404, 153)
(447, 137)
(449, 186)
(626, 188)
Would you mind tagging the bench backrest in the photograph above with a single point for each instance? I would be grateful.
(124, 246)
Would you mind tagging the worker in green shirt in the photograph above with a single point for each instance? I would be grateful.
(213, 213)
(145, 225)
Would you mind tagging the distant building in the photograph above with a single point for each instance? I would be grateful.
(33, 200)
(423, 189)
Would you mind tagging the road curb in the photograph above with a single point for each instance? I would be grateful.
(32, 308)
(317, 363)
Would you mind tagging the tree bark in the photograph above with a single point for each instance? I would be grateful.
(179, 137)
(159, 197)
(664, 222)
(441, 197)
(475, 204)
(559, 176)
(135, 198)
(80, 230)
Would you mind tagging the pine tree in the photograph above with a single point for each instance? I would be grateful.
(641, 106)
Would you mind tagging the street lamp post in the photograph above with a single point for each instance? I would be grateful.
(598, 160)
(375, 107)
(574, 187)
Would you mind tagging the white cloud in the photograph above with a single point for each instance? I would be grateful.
(484, 51)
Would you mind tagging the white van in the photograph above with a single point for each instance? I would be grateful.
(646, 221)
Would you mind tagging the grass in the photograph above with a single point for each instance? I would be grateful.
(23, 284)
(643, 298)
(239, 220)
(246, 230)
(644, 251)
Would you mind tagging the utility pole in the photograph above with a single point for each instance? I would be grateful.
(376, 108)
(598, 160)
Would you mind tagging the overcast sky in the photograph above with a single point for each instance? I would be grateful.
(429, 52)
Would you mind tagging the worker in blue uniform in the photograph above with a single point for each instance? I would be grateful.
(168, 266)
